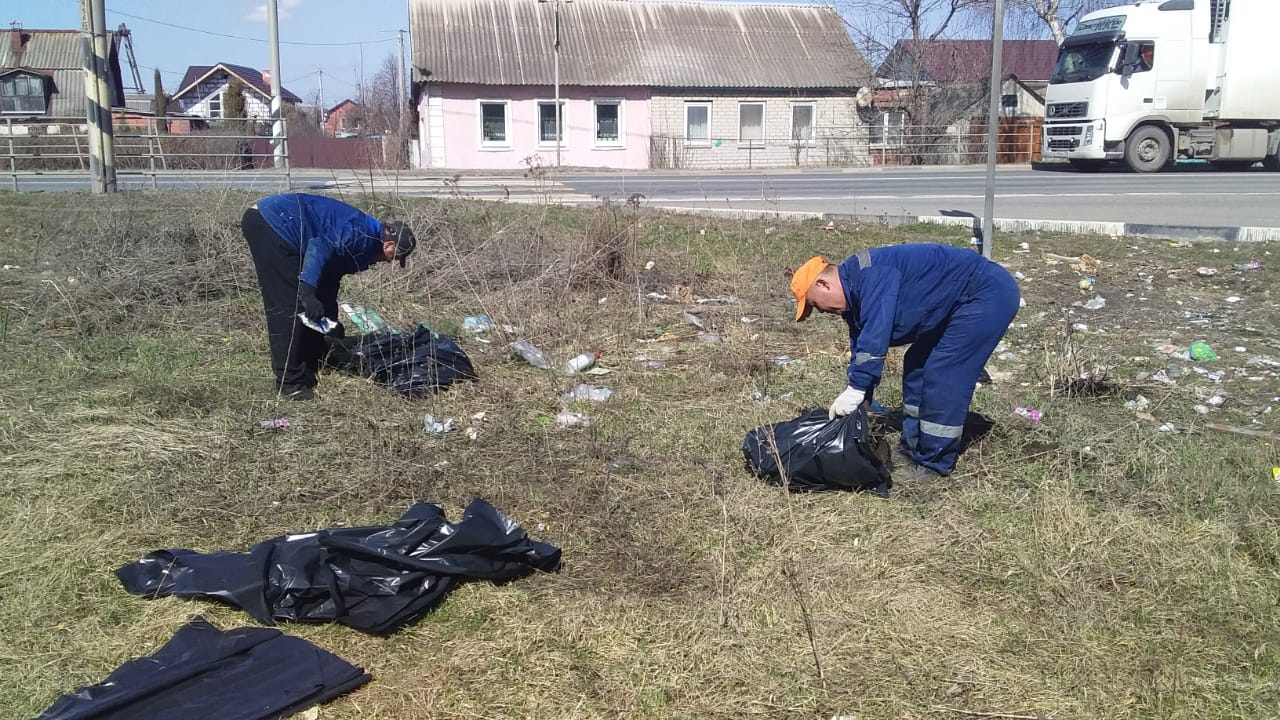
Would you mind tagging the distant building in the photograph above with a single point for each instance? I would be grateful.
(42, 76)
(202, 91)
(643, 83)
(346, 119)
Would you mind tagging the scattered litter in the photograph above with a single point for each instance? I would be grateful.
(1023, 247)
(831, 225)
(1138, 404)
(782, 360)
(1080, 327)
(1206, 271)
(1239, 348)
(274, 423)
(478, 417)
(1031, 414)
(582, 391)
(656, 296)
(1202, 352)
(369, 321)
(693, 320)
(1251, 265)
(1019, 275)
(748, 319)
(1085, 284)
(247, 673)
(1022, 302)
(437, 427)
(721, 300)
(1174, 371)
(760, 397)
(412, 364)
(1233, 299)
(567, 418)
(814, 454)
(390, 574)
(12, 267)
(471, 433)
(706, 337)
(532, 354)
(1201, 409)
(1275, 474)
(581, 362)
(1096, 303)
(649, 265)
(1216, 376)
(597, 371)
(602, 301)
(1217, 400)
(1168, 428)
(478, 324)
(650, 363)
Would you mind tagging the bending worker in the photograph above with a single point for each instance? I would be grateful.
(950, 304)
(302, 246)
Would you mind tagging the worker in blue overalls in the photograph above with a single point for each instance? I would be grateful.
(302, 246)
(950, 304)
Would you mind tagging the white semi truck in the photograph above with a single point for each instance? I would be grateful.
(1150, 82)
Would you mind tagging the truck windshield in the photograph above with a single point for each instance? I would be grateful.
(1082, 63)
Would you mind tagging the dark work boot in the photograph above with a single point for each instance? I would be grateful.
(297, 392)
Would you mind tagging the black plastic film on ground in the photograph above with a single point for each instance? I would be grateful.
(812, 453)
(411, 364)
(203, 672)
(374, 579)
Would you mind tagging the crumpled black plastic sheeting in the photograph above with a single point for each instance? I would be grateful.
(374, 579)
(205, 673)
(411, 364)
(813, 454)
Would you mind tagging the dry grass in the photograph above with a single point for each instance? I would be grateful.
(1084, 567)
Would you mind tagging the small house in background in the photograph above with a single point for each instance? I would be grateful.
(202, 91)
(643, 83)
(346, 119)
(931, 102)
(41, 75)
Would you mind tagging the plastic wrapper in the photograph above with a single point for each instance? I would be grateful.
(374, 579)
(812, 453)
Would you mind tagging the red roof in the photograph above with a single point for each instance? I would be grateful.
(965, 61)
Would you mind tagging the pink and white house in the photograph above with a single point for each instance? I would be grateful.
(643, 83)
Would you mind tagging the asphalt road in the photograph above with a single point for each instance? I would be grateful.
(1186, 196)
(1189, 195)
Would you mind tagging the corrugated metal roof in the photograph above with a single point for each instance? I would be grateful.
(653, 43)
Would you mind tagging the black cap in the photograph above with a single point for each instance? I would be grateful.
(402, 236)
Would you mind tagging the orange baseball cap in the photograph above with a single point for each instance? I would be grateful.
(802, 280)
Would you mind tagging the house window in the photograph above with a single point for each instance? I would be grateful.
(697, 123)
(22, 93)
(493, 124)
(751, 124)
(609, 122)
(802, 123)
(886, 129)
(547, 122)
(215, 105)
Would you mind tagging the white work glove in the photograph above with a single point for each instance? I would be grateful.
(846, 402)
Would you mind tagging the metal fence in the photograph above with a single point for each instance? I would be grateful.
(142, 146)
(963, 143)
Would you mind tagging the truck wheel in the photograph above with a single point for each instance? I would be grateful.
(1088, 165)
(1147, 150)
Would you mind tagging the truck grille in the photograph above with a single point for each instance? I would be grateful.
(1067, 110)
(1060, 130)
(1064, 144)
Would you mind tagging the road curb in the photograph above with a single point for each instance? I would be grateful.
(1015, 225)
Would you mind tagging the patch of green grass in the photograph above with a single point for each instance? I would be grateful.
(1088, 566)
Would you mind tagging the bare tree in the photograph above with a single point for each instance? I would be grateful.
(382, 109)
(1031, 17)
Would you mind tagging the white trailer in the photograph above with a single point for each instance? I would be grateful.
(1152, 81)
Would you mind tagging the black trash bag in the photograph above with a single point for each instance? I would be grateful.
(816, 454)
(411, 364)
(203, 673)
(374, 579)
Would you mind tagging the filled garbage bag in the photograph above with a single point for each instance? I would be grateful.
(374, 579)
(812, 453)
(203, 673)
(411, 364)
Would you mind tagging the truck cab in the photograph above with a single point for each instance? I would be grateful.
(1127, 77)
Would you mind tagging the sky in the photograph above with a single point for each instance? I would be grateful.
(364, 27)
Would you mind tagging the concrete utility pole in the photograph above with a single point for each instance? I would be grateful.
(277, 113)
(403, 119)
(993, 126)
(97, 51)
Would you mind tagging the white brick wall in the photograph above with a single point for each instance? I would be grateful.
(840, 138)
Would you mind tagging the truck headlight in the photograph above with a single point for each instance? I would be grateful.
(1088, 135)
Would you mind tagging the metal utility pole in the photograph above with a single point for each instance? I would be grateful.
(277, 114)
(993, 126)
(556, 44)
(403, 118)
(93, 16)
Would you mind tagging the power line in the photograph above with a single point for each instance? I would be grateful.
(242, 37)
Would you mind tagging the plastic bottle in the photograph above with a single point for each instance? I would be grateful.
(530, 352)
(581, 362)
